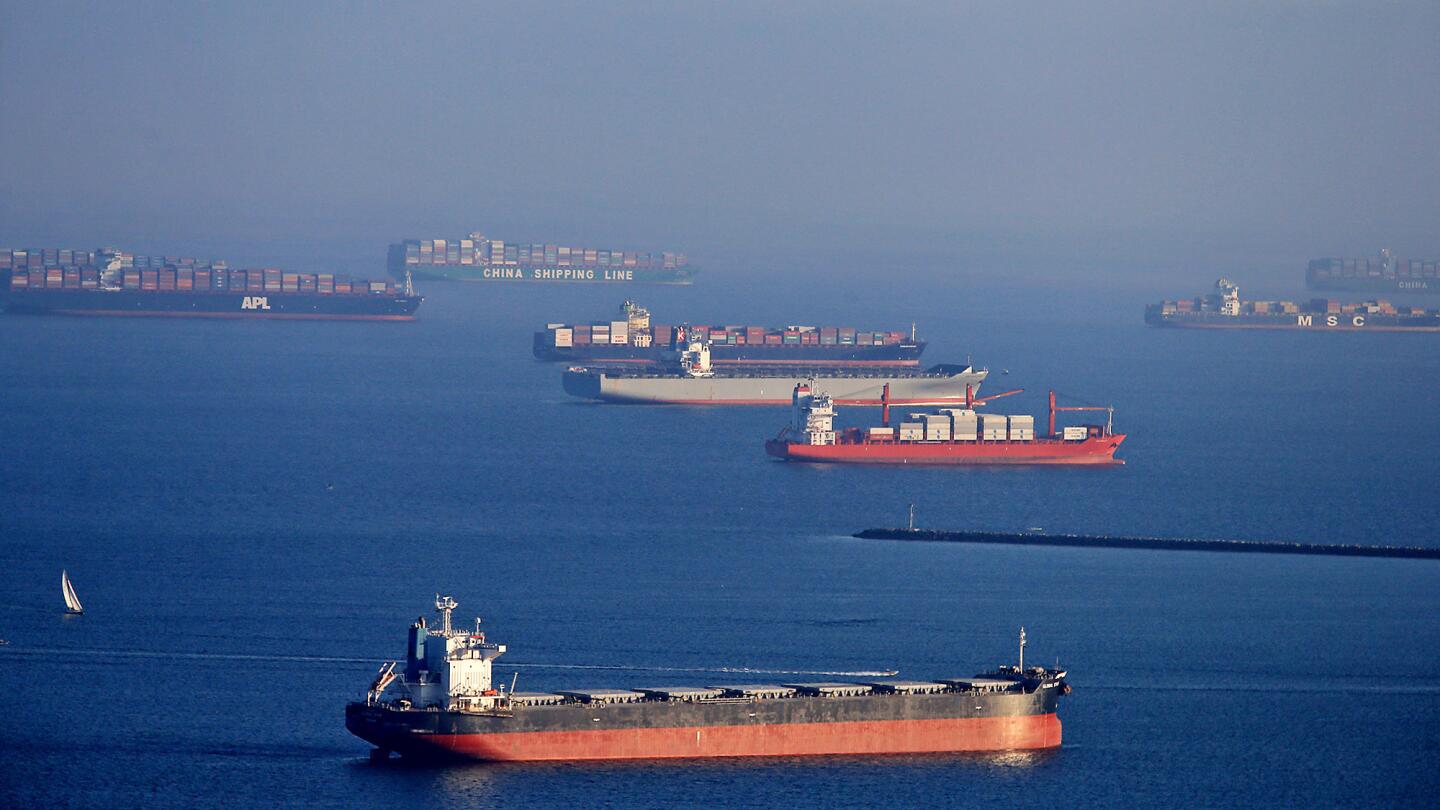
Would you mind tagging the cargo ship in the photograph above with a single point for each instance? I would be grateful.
(478, 258)
(1224, 309)
(951, 436)
(695, 381)
(633, 339)
(111, 282)
(1385, 273)
(444, 704)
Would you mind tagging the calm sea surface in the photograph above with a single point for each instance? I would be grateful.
(253, 512)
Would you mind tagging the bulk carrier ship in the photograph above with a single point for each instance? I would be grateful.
(478, 258)
(952, 436)
(444, 704)
(633, 339)
(695, 381)
(1385, 273)
(110, 282)
(1223, 309)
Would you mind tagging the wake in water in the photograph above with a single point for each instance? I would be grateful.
(320, 659)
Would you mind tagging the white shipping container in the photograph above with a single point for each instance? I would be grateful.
(1022, 435)
(1023, 421)
(1075, 434)
(937, 432)
(618, 340)
(882, 432)
(564, 337)
(912, 431)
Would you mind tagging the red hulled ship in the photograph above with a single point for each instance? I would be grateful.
(443, 705)
(949, 436)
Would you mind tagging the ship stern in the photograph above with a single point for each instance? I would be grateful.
(391, 731)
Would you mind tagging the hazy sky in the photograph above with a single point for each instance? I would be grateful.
(1076, 130)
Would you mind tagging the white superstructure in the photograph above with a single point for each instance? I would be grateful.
(695, 360)
(1229, 294)
(446, 668)
(814, 416)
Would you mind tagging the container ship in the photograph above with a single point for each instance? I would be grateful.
(111, 282)
(951, 436)
(633, 339)
(444, 704)
(1385, 273)
(478, 258)
(1223, 309)
(695, 381)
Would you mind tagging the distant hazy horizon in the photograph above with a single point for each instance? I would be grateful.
(1113, 135)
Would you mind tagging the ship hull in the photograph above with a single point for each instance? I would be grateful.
(1304, 321)
(776, 389)
(1096, 450)
(546, 275)
(903, 355)
(883, 724)
(1376, 285)
(279, 306)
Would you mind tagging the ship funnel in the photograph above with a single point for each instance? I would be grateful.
(415, 650)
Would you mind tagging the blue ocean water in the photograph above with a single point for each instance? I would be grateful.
(253, 512)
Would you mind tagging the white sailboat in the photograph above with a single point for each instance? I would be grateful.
(72, 602)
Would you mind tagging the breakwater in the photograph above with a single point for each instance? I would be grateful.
(1151, 543)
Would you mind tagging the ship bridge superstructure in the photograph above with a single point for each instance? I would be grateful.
(813, 416)
(446, 667)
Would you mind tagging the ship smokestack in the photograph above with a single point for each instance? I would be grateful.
(885, 405)
(415, 650)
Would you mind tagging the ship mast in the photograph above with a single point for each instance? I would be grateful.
(1022, 650)
(445, 604)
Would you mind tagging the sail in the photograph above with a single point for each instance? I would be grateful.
(72, 602)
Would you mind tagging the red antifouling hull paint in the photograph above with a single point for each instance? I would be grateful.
(791, 739)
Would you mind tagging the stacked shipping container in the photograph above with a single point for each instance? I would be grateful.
(665, 336)
(959, 425)
(33, 268)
